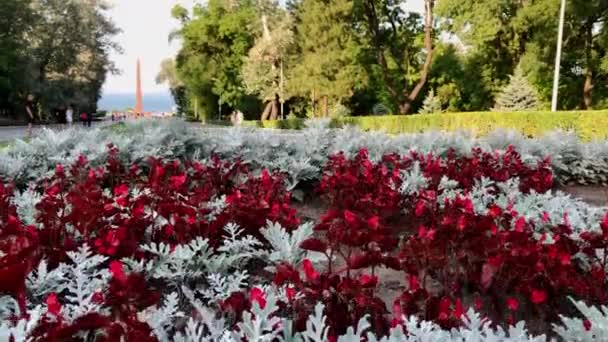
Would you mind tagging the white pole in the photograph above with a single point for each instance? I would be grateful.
(558, 56)
(282, 91)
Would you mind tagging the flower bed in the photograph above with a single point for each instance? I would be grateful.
(300, 156)
(117, 244)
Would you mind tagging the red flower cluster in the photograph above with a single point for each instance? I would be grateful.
(115, 209)
(450, 256)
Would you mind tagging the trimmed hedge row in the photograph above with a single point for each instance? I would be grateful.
(588, 125)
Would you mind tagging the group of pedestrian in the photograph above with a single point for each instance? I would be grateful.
(85, 118)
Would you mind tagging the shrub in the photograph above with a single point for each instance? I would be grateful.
(431, 104)
(588, 125)
(518, 95)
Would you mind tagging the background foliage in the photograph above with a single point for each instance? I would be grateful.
(56, 50)
(370, 53)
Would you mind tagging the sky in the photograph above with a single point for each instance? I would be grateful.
(146, 25)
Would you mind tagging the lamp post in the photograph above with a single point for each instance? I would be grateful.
(558, 56)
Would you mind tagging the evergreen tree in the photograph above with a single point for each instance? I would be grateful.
(327, 67)
(518, 95)
(431, 104)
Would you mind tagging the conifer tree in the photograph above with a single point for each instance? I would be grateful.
(431, 104)
(518, 95)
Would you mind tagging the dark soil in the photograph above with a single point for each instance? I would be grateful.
(591, 194)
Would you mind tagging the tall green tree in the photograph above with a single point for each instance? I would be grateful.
(502, 34)
(216, 37)
(16, 20)
(57, 50)
(263, 70)
(401, 62)
(586, 46)
(327, 65)
(168, 75)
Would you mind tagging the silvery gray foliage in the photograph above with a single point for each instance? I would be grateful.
(263, 324)
(221, 286)
(26, 202)
(20, 331)
(40, 282)
(286, 246)
(573, 329)
(85, 277)
(185, 261)
(8, 308)
(162, 319)
(546, 210)
(412, 180)
(300, 154)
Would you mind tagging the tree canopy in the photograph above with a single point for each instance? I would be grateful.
(59, 61)
(369, 54)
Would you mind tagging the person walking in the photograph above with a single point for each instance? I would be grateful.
(83, 118)
(29, 111)
(89, 119)
(69, 115)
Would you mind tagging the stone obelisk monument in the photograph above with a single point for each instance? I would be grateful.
(139, 106)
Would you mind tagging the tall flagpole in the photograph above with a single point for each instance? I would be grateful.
(558, 56)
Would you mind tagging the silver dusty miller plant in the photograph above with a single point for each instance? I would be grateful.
(301, 155)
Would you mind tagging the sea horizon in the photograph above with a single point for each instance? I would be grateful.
(152, 102)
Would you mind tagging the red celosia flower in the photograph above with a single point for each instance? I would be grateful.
(458, 309)
(545, 217)
(257, 295)
(413, 284)
(461, 224)
(118, 272)
(59, 170)
(587, 324)
(420, 208)
(350, 217)
(368, 281)
(178, 181)
(97, 297)
(512, 304)
(520, 224)
(53, 305)
(564, 258)
(538, 296)
(290, 292)
(444, 308)
(309, 270)
(495, 211)
(373, 222)
(314, 245)
(121, 190)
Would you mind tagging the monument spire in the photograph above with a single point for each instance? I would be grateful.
(139, 110)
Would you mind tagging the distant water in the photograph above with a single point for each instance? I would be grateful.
(158, 102)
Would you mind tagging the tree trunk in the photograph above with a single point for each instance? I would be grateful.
(267, 110)
(588, 85)
(429, 6)
(314, 107)
(274, 112)
(325, 106)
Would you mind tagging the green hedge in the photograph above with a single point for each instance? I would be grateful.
(587, 124)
